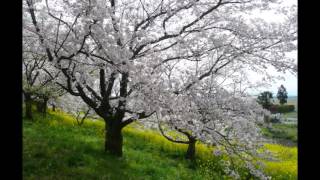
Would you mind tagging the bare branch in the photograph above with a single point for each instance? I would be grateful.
(169, 138)
(34, 21)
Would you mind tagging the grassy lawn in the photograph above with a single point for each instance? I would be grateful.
(290, 115)
(56, 148)
(282, 133)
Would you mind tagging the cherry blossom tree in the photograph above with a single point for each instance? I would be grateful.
(38, 82)
(211, 114)
(30, 74)
(76, 107)
(113, 54)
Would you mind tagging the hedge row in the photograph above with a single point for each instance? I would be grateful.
(276, 108)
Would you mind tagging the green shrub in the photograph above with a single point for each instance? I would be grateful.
(276, 108)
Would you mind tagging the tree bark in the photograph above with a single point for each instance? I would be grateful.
(38, 105)
(191, 152)
(113, 140)
(42, 106)
(53, 107)
(28, 104)
(45, 105)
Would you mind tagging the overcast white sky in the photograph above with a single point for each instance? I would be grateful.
(291, 81)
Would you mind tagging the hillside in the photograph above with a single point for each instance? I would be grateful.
(56, 148)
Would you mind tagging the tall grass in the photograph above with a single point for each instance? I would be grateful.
(55, 147)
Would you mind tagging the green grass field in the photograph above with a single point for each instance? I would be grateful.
(290, 115)
(282, 133)
(56, 148)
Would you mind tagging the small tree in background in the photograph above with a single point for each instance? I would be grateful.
(265, 99)
(74, 106)
(282, 95)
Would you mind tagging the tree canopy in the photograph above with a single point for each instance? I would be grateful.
(282, 95)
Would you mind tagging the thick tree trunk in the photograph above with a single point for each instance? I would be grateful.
(28, 104)
(42, 106)
(45, 106)
(39, 106)
(191, 152)
(113, 140)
